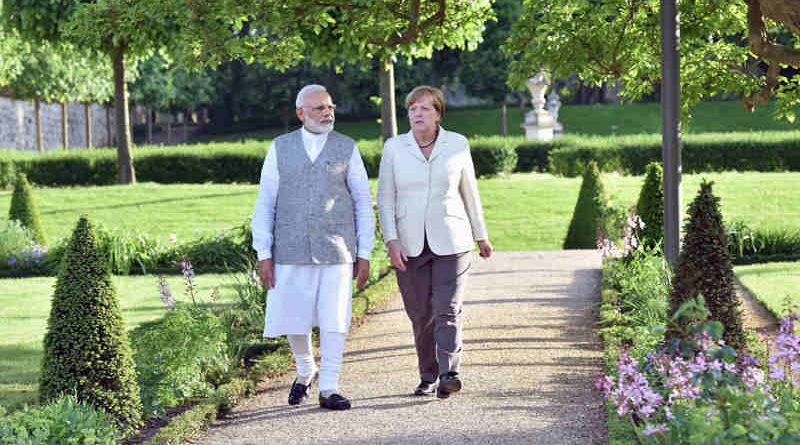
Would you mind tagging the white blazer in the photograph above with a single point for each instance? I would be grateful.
(437, 197)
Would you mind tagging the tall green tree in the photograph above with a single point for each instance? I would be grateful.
(120, 29)
(386, 29)
(57, 72)
(279, 34)
(608, 40)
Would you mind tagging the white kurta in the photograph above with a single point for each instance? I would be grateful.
(310, 295)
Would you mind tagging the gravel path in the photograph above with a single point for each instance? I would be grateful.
(530, 350)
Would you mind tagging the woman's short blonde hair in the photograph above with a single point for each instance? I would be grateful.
(427, 90)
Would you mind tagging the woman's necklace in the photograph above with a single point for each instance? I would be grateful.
(426, 145)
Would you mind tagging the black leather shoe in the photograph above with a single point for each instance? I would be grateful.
(298, 394)
(335, 402)
(448, 384)
(425, 388)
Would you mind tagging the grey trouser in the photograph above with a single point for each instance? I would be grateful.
(432, 288)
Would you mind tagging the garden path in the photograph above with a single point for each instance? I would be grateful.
(530, 351)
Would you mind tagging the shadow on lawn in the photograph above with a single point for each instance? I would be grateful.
(19, 374)
(194, 198)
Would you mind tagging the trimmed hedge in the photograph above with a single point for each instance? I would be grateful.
(762, 151)
(86, 348)
(493, 156)
(533, 156)
(24, 210)
(565, 155)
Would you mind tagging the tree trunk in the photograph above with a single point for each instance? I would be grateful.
(504, 119)
(127, 174)
(149, 137)
(64, 126)
(37, 112)
(87, 114)
(186, 126)
(388, 115)
(169, 131)
(109, 134)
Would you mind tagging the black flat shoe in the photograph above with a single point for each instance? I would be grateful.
(298, 394)
(425, 388)
(448, 384)
(335, 402)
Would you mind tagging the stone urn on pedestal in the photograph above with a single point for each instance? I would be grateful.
(539, 123)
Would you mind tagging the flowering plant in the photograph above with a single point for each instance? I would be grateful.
(699, 390)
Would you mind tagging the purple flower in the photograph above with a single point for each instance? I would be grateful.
(785, 362)
(166, 295)
(650, 430)
(632, 393)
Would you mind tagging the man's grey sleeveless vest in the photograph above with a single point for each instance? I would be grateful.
(314, 218)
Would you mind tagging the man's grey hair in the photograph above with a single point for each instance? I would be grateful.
(305, 92)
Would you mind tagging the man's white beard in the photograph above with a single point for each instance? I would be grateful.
(317, 127)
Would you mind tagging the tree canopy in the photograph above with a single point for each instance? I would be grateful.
(608, 40)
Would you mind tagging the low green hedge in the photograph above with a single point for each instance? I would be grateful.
(194, 164)
(565, 155)
(763, 151)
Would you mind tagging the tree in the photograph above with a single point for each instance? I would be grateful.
(86, 348)
(332, 33)
(24, 209)
(486, 69)
(591, 211)
(56, 73)
(10, 63)
(386, 29)
(608, 40)
(154, 88)
(650, 206)
(120, 29)
(705, 268)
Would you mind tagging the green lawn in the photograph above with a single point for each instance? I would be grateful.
(154, 209)
(601, 120)
(523, 211)
(772, 283)
(25, 307)
(765, 201)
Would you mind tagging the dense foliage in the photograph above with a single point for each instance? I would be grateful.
(705, 268)
(86, 347)
(591, 212)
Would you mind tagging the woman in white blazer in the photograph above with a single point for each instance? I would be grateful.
(431, 217)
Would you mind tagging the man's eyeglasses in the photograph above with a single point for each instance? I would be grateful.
(322, 108)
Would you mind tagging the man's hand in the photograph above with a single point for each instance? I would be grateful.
(266, 271)
(361, 272)
(485, 248)
(397, 255)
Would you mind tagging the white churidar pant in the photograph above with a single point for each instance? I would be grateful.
(305, 296)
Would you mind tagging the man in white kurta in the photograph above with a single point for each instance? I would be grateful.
(313, 230)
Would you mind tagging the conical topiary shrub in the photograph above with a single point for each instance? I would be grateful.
(650, 206)
(591, 211)
(86, 348)
(705, 268)
(23, 209)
